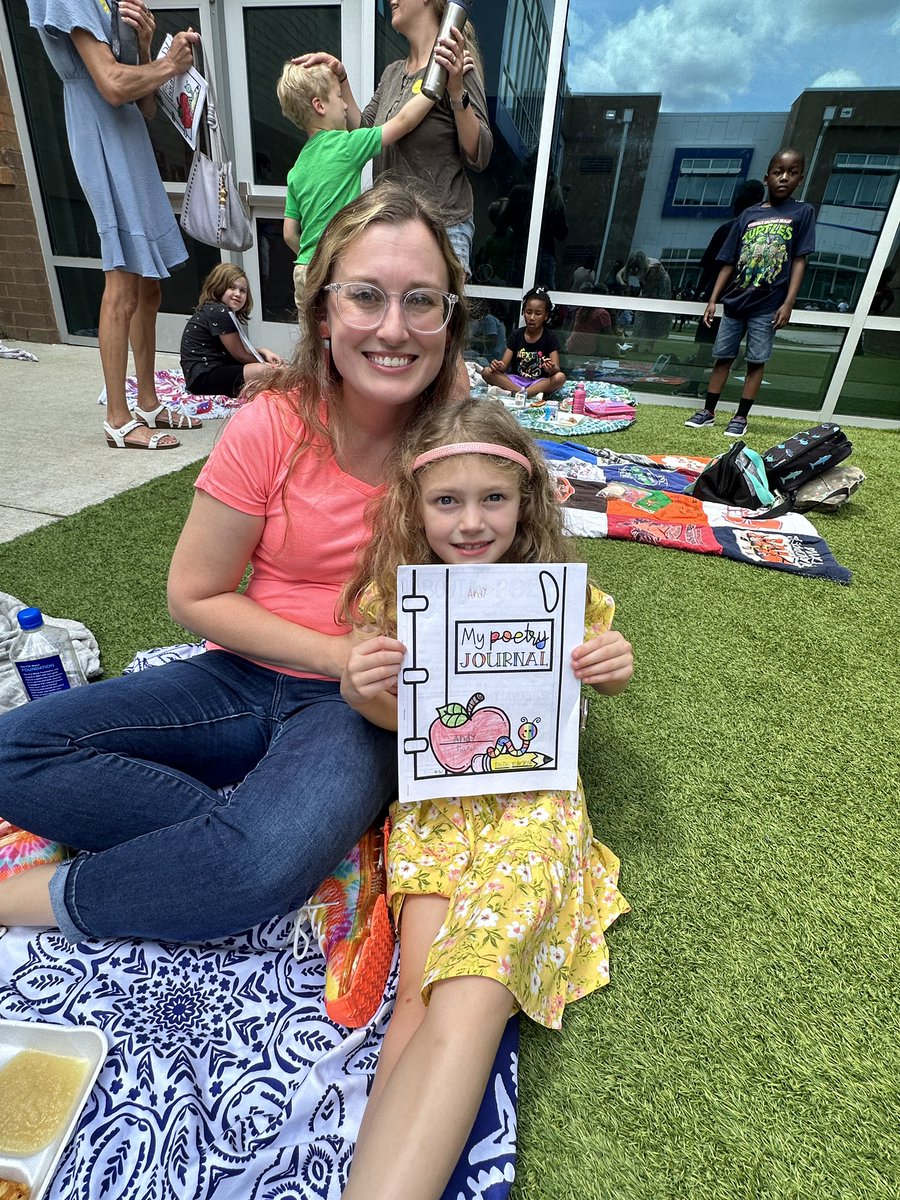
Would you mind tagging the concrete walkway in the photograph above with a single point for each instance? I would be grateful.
(53, 456)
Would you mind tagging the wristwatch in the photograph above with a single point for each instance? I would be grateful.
(461, 103)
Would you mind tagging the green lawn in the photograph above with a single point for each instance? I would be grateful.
(746, 1048)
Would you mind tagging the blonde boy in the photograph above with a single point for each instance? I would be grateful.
(326, 175)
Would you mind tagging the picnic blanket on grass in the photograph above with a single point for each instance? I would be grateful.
(641, 498)
(226, 1079)
(171, 392)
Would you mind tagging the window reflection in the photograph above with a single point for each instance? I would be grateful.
(491, 323)
(599, 343)
(870, 389)
(273, 35)
(664, 117)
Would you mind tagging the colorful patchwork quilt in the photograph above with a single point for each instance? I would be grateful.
(641, 498)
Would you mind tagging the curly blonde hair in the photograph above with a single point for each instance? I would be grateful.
(311, 376)
(395, 521)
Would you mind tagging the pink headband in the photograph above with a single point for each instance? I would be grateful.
(451, 451)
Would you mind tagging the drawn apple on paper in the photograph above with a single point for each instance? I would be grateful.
(184, 106)
(463, 731)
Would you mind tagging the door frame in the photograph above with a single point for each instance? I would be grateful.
(267, 200)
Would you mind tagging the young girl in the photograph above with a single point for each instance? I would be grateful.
(217, 358)
(531, 361)
(501, 901)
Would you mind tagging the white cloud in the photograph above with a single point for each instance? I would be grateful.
(698, 54)
(841, 78)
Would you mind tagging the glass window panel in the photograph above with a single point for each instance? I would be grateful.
(870, 389)
(635, 90)
(661, 356)
(173, 154)
(514, 39)
(276, 272)
(82, 289)
(272, 36)
(491, 324)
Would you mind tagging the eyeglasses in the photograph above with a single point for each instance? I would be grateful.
(363, 305)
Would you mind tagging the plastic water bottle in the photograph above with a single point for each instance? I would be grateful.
(44, 656)
(435, 79)
(578, 399)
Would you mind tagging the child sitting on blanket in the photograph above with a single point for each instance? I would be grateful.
(217, 358)
(530, 364)
(501, 900)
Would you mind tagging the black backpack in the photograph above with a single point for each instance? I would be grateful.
(803, 457)
(736, 477)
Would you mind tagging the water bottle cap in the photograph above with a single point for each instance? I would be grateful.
(29, 618)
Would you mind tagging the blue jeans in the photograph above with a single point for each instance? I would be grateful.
(126, 770)
(461, 237)
(760, 335)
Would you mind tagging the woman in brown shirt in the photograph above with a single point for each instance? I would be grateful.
(454, 137)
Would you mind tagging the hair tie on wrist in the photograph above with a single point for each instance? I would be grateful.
(342, 78)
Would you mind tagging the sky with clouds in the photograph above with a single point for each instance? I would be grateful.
(756, 58)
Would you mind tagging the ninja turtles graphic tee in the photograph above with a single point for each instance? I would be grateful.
(763, 243)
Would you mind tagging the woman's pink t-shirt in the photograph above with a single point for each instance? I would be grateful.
(299, 565)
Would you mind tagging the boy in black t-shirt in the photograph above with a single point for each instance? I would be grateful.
(764, 259)
(530, 364)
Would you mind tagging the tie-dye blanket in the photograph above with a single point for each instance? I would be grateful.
(641, 498)
(171, 392)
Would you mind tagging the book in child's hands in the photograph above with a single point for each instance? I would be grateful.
(487, 699)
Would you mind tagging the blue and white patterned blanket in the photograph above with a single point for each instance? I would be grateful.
(225, 1077)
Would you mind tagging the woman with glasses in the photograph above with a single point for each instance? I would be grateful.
(127, 770)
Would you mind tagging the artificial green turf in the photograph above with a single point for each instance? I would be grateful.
(746, 1048)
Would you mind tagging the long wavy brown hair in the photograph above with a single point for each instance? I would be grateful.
(311, 376)
(398, 533)
(218, 281)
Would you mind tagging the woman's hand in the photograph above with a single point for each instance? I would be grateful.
(319, 58)
(605, 662)
(451, 54)
(372, 668)
(270, 357)
(142, 21)
(497, 364)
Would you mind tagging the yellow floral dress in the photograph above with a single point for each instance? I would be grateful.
(530, 889)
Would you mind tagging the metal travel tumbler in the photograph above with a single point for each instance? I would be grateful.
(455, 16)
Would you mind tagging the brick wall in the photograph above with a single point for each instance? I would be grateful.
(26, 309)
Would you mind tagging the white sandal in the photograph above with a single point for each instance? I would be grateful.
(176, 420)
(115, 438)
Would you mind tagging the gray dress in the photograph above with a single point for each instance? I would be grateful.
(111, 149)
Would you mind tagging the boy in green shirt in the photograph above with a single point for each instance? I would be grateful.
(326, 175)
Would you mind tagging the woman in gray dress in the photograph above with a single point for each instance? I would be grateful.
(105, 103)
